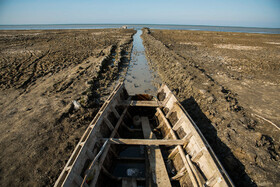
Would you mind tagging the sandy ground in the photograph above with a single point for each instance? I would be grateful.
(43, 74)
(226, 81)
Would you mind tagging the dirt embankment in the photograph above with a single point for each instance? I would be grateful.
(52, 84)
(247, 146)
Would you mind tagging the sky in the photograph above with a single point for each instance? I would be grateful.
(246, 13)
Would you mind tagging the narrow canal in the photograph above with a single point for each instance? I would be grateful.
(140, 78)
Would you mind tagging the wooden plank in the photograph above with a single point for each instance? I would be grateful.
(76, 161)
(115, 112)
(181, 151)
(129, 182)
(143, 141)
(94, 170)
(210, 153)
(173, 153)
(109, 124)
(159, 173)
(166, 123)
(141, 103)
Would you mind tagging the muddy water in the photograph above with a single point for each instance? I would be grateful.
(140, 78)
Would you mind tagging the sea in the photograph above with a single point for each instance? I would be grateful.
(140, 26)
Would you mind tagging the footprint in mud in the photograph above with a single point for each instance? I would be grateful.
(133, 77)
(129, 80)
(137, 85)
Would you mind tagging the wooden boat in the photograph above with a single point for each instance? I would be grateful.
(142, 140)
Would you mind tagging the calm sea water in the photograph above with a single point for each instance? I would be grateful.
(139, 26)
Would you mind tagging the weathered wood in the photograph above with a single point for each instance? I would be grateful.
(165, 121)
(209, 162)
(194, 170)
(76, 162)
(158, 169)
(173, 153)
(109, 124)
(105, 146)
(143, 141)
(141, 103)
(199, 154)
(193, 149)
(129, 182)
(180, 174)
(95, 169)
(213, 180)
(181, 151)
(177, 124)
(115, 112)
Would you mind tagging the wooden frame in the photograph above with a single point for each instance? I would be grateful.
(190, 145)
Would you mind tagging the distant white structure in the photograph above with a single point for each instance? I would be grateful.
(124, 27)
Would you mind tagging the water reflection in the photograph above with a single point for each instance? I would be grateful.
(140, 78)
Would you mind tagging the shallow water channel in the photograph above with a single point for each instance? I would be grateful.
(140, 78)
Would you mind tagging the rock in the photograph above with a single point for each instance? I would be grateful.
(76, 105)
(202, 91)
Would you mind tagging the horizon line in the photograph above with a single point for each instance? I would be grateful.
(26, 24)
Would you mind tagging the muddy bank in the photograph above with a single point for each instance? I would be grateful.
(52, 84)
(247, 146)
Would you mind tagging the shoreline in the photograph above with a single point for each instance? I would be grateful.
(140, 26)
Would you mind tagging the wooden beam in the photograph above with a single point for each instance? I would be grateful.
(76, 162)
(142, 141)
(179, 174)
(115, 112)
(181, 151)
(159, 173)
(94, 170)
(173, 153)
(194, 170)
(141, 103)
(165, 121)
(109, 124)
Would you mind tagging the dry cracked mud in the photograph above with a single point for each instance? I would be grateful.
(225, 81)
(52, 84)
